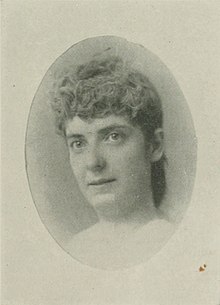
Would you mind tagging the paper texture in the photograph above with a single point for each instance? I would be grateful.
(185, 36)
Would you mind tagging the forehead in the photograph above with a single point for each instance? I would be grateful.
(91, 126)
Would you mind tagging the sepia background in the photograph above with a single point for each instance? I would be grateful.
(184, 35)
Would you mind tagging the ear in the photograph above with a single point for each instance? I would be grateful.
(157, 145)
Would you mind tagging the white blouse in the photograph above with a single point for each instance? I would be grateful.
(116, 246)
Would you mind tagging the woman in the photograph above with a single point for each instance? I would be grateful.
(111, 117)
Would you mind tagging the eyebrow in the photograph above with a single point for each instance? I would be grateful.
(74, 135)
(101, 131)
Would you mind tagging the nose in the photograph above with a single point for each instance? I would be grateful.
(95, 159)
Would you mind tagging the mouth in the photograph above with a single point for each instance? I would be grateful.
(101, 182)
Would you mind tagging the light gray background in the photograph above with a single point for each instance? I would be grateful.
(185, 35)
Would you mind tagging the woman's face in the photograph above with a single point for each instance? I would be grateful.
(110, 161)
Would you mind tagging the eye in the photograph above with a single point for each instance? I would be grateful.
(77, 145)
(113, 137)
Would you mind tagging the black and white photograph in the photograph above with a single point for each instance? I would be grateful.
(110, 152)
(118, 120)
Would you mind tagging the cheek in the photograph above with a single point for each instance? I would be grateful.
(135, 155)
(131, 162)
(137, 173)
(77, 167)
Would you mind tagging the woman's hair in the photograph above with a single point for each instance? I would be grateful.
(107, 86)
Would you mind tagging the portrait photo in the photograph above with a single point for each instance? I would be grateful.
(110, 152)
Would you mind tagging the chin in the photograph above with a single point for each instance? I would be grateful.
(102, 200)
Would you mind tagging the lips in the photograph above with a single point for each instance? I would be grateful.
(101, 181)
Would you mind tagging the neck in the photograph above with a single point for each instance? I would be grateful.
(138, 212)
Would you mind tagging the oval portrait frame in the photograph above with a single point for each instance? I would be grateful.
(61, 207)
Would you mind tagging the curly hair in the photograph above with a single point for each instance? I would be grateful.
(107, 86)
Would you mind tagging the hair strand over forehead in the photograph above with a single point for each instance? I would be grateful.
(106, 86)
(103, 87)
